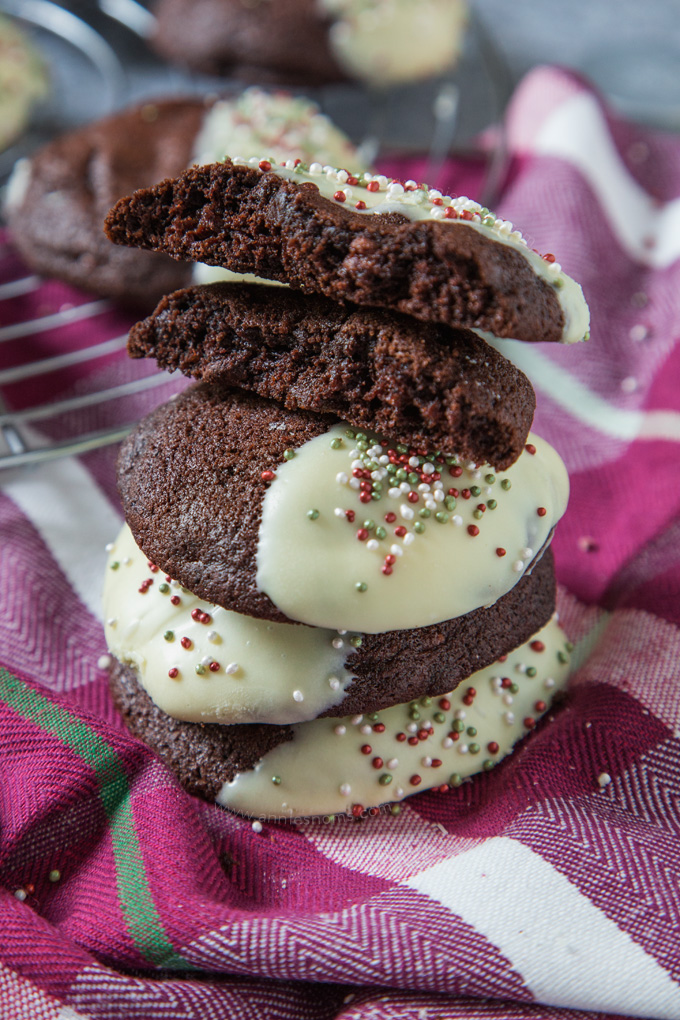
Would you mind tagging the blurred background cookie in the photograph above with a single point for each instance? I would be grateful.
(23, 80)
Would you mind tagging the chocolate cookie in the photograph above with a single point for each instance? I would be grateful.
(367, 240)
(58, 199)
(350, 763)
(419, 383)
(207, 479)
(203, 664)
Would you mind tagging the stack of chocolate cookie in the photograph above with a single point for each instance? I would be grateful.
(334, 587)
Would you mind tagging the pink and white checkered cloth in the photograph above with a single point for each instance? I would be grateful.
(547, 888)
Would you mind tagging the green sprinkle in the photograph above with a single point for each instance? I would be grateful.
(487, 765)
(558, 284)
(361, 586)
(349, 433)
(356, 641)
(451, 460)
(362, 446)
(289, 454)
(425, 513)
(385, 779)
(329, 819)
(441, 516)
(450, 503)
(115, 565)
(491, 504)
(401, 475)
(276, 780)
(169, 635)
(419, 527)
(380, 532)
(458, 725)
(414, 714)
(391, 469)
(376, 494)
(54, 875)
(474, 748)
(199, 668)
(455, 779)
(164, 588)
(531, 671)
(472, 731)
(369, 525)
(373, 717)
(426, 701)
(395, 809)
(439, 717)
(401, 448)
(335, 445)
(361, 436)
(506, 484)
(586, 335)
(489, 479)
(478, 514)
(562, 657)
(313, 514)
(475, 490)
(413, 478)
(569, 646)
(514, 688)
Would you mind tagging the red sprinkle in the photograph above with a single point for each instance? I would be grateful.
(492, 747)
(482, 507)
(400, 531)
(186, 642)
(466, 215)
(372, 186)
(365, 497)
(352, 180)
(472, 530)
(390, 559)
(366, 749)
(172, 673)
(549, 257)
(264, 164)
(390, 517)
(436, 763)
(415, 780)
(362, 534)
(152, 568)
(453, 492)
(175, 599)
(537, 646)
(423, 734)
(530, 722)
(340, 196)
(379, 727)
(540, 706)
(214, 666)
(386, 569)
(437, 201)
(413, 497)
(472, 692)
(413, 741)
(500, 551)
(541, 511)
(374, 811)
(357, 810)
(445, 704)
(455, 471)
(401, 737)
(506, 682)
(530, 448)
(360, 204)
(466, 493)
(450, 213)
(350, 515)
(377, 763)
(267, 476)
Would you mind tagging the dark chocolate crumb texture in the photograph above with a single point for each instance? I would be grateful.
(202, 663)
(292, 515)
(367, 239)
(423, 384)
(351, 764)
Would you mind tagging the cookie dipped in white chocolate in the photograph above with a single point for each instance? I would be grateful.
(201, 663)
(372, 194)
(362, 536)
(353, 763)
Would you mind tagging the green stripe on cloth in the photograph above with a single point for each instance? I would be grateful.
(136, 901)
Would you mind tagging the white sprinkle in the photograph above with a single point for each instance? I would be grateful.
(342, 477)
(333, 683)
(520, 667)
(337, 642)
(604, 779)
(406, 512)
(433, 193)
(232, 668)
(395, 190)
(356, 719)
(345, 789)
(112, 621)
(518, 566)
(447, 742)
(459, 713)
(396, 550)
(315, 168)
(104, 661)
(298, 696)
(354, 483)
(462, 749)
(127, 560)
(408, 538)
(399, 792)
(427, 762)
(256, 826)
(424, 487)
(357, 462)
(428, 469)
(430, 504)
(637, 334)
(340, 730)
(394, 493)
(373, 544)
(437, 213)
(213, 637)
(527, 553)
(339, 512)
(404, 487)
(365, 729)
(457, 520)
(109, 547)
(548, 683)
(438, 495)
(413, 462)
(174, 584)
(206, 660)
(342, 176)
(509, 718)
(20, 894)
(508, 699)
(392, 763)
(412, 727)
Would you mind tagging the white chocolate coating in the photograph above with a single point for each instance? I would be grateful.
(383, 42)
(266, 672)
(416, 203)
(327, 768)
(427, 565)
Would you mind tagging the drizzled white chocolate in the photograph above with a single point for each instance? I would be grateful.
(201, 663)
(330, 554)
(388, 41)
(370, 194)
(350, 764)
